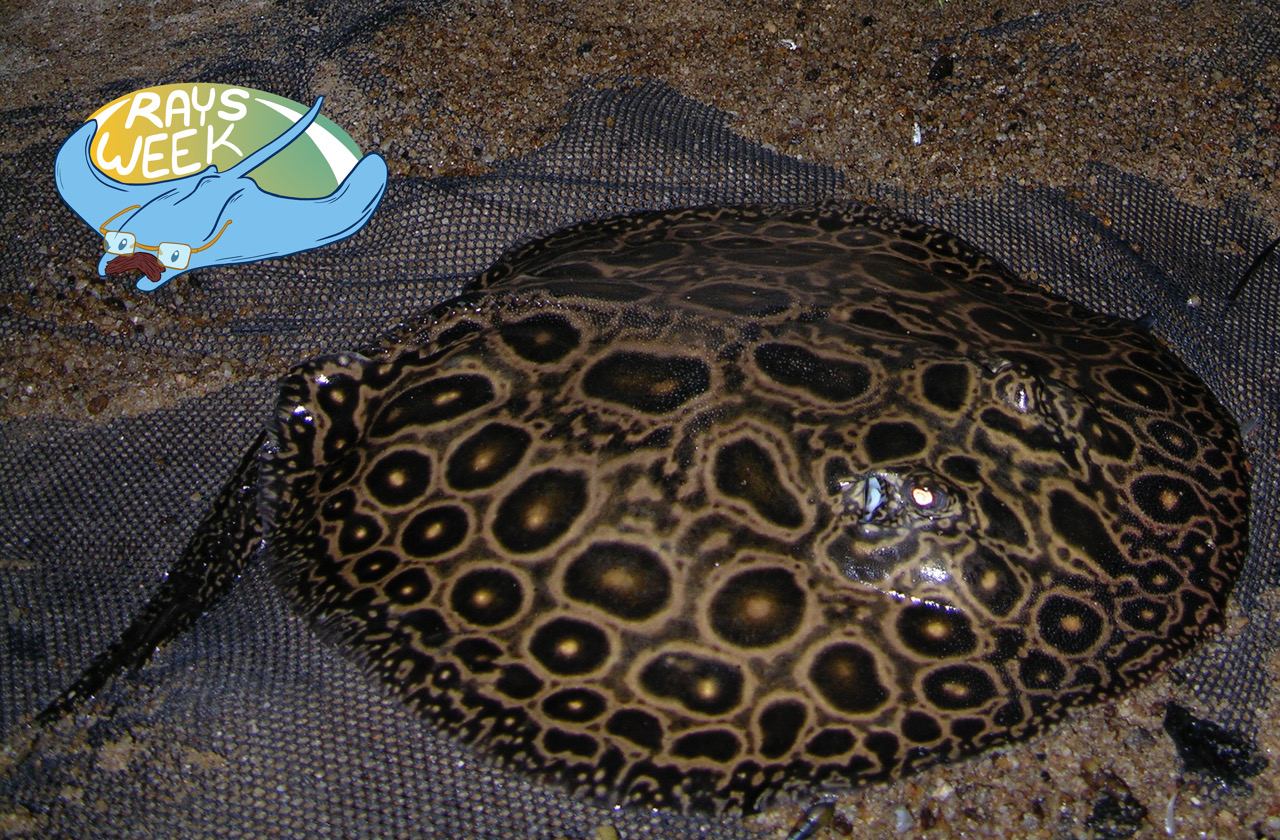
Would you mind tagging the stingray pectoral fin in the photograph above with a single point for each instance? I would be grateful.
(225, 541)
(93, 195)
(276, 146)
(347, 209)
(265, 225)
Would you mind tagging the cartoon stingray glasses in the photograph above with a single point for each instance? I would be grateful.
(174, 255)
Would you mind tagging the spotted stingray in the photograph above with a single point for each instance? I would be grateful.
(704, 509)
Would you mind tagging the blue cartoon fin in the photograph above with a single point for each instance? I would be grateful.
(261, 156)
(264, 225)
(87, 190)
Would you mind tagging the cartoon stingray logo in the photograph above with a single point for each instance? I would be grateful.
(185, 199)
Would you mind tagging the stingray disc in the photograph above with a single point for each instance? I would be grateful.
(700, 509)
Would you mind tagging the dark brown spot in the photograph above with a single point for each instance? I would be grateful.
(833, 380)
(955, 687)
(746, 471)
(399, 477)
(478, 655)
(741, 299)
(757, 608)
(719, 745)
(427, 625)
(339, 471)
(1106, 437)
(1176, 440)
(653, 252)
(699, 683)
(1080, 526)
(1167, 499)
(858, 237)
(966, 729)
(992, 581)
(638, 727)
(540, 510)
(1069, 625)
(1003, 525)
(435, 531)
(358, 534)
(920, 727)
(885, 747)
(1138, 388)
(541, 339)
(575, 705)
(645, 382)
(935, 631)
(375, 565)
(339, 506)
(409, 587)
(845, 674)
(830, 743)
(1082, 346)
(891, 441)
(337, 395)
(557, 742)
(909, 275)
(780, 725)
(569, 647)
(876, 321)
(918, 256)
(946, 385)
(486, 457)
(1144, 614)
(518, 682)
(626, 580)
(487, 597)
(1159, 577)
(1041, 672)
(1003, 325)
(962, 469)
(438, 399)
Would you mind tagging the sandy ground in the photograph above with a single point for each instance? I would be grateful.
(1163, 90)
(995, 92)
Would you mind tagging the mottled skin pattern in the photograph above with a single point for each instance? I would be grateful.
(704, 508)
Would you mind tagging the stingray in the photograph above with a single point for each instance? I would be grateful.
(713, 508)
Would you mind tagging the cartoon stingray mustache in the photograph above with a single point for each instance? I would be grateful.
(141, 260)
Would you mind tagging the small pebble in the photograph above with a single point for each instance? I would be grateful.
(943, 66)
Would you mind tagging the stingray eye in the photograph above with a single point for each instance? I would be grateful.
(174, 254)
(873, 496)
(926, 498)
(1020, 399)
(118, 242)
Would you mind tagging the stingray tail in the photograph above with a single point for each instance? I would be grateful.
(226, 540)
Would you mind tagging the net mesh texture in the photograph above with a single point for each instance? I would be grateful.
(248, 726)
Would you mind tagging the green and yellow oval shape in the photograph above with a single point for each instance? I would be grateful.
(173, 131)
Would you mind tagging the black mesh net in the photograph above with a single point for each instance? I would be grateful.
(247, 725)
